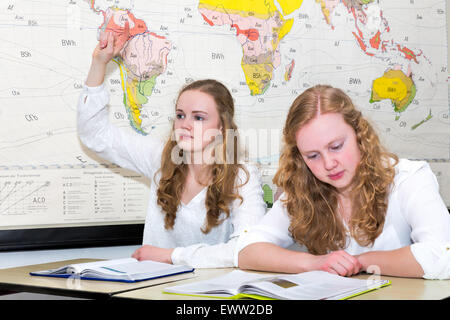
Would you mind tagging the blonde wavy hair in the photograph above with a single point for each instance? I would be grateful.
(312, 204)
(222, 190)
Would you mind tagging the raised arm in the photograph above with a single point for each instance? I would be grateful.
(126, 149)
(107, 48)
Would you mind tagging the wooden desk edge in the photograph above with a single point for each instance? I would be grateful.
(77, 293)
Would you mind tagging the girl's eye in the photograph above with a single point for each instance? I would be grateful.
(199, 118)
(311, 156)
(180, 116)
(337, 147)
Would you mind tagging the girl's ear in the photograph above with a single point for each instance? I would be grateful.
(221, 124)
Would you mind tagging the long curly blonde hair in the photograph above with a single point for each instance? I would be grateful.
(223, 187)
(312, 204)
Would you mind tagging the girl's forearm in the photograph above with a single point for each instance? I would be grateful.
(96, 74)
(266, 256)
(399, 263)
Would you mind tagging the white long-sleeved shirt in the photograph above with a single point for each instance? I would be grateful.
(416, 216)
(143, 155)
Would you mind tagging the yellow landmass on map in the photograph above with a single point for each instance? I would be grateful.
(396, 86)
(131, 98)
(390, 88)
(289, 6)
(133, 102)
(284, 30)
(325, 10)
(260, 8)
(257, 77)
(258, 68)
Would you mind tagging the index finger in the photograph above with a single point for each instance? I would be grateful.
(103, 39)
(136, 254)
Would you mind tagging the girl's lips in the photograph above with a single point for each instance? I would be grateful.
(185, 136)
(336, 176)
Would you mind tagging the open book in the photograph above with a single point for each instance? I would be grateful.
(313, 285)
(124, 270)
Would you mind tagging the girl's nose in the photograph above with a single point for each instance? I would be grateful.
(186, 123)
(329, 162)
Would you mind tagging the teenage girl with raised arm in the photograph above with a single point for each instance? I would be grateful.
(198, 206)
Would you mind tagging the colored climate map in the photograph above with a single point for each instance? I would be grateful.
(389, 56)
(372, 33)
(260, 27)
(143, 59)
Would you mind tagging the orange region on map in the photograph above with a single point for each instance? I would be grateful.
(207, 20)
(361, 42)
(362, 45)
(252, 34)
(115, 22)
(356, 10)
(383, 46)
(409, 54)
(289, 69)
(361, 35)
(375, 40)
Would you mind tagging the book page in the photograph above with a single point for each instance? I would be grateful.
(140, 267)
(79, 267)
(228, 283)
(309, 285)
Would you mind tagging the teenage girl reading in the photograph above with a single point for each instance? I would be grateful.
(351, 204)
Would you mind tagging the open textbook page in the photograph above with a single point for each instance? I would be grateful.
(126, 270)
(313, 285)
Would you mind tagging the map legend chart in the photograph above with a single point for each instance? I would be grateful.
(23, 196)
(75, 195)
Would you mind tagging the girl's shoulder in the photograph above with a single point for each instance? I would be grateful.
(406, 168)
(248, 172)
(147, 151)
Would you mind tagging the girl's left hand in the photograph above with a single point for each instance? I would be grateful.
(148, 252)
(338, 262)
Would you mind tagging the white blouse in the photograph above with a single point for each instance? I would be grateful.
(143, 154)
(416, 217)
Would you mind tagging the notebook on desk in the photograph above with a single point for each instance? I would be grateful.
(123, 270)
